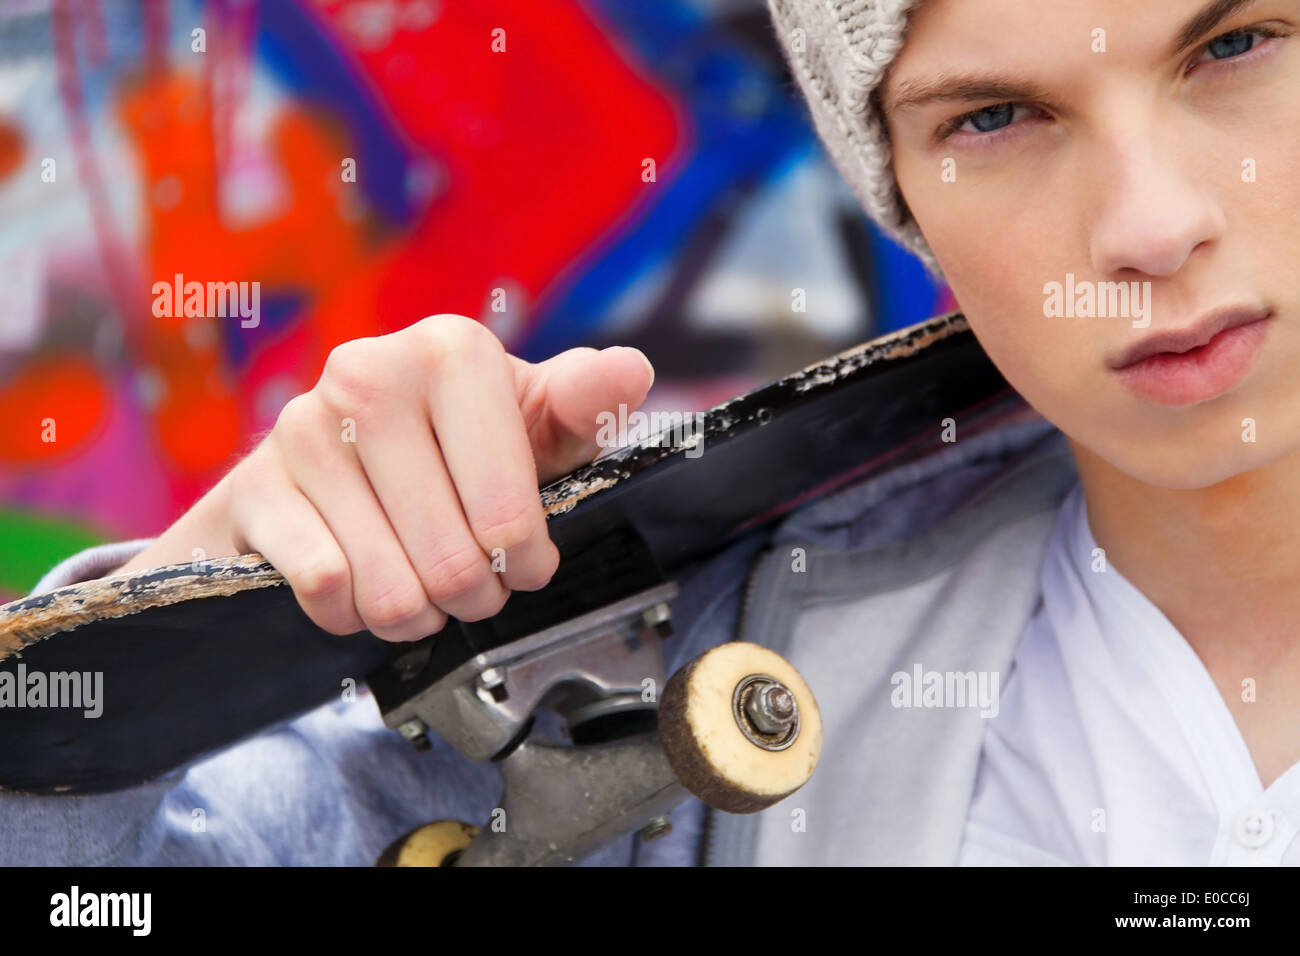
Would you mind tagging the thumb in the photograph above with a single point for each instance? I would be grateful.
(563, 402)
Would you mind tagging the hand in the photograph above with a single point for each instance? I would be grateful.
(386, 493)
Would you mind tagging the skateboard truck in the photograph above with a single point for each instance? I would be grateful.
(601, 668)
(634, 752)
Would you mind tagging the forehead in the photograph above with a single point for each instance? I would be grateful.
(1045, 40)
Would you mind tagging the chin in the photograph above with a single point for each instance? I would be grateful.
(1187, 465)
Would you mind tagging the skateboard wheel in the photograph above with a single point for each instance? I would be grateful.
(434, 844)
(740, 727)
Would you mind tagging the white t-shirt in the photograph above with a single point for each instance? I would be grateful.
(1112, 745)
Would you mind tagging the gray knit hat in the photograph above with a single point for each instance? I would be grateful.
(839, 52)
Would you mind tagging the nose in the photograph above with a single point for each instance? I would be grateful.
(1152, 215)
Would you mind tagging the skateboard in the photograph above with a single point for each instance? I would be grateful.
(196, 657)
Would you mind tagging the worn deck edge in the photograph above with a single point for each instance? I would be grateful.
(563, 494)
(31, 619)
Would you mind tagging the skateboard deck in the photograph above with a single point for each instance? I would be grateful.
(188, 659)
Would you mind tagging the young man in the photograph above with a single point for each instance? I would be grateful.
(1122, 580)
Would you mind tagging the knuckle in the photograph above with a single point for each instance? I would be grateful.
(456, 574)
(320, 578)
(487, 608)
(394, 605)
(451, 337)
(298, 431)
(297, 417)
(508, 523)
(354, 376)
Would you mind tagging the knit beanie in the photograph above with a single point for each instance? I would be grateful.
(839, 52)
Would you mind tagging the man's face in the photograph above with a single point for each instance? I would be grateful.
(1164, 151)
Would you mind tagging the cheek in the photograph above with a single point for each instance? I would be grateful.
(1030, 358)
(1261, 163)
(1279, 192)
(993, 253)
(996, 270)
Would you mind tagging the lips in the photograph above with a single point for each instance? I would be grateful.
(1198, 334)
(1202, 361)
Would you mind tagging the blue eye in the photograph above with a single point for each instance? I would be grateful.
(985, 124)
(991, 118)
(1237, 44)
(1231, 44)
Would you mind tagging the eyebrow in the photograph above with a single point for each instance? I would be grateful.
(965, 86)
(971, 87)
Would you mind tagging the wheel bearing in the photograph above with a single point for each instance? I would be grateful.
(766, 712)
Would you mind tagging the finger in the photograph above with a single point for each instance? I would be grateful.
(269, 515)
(386, 591)
(568, 394)
(405, 468)
(479, 428)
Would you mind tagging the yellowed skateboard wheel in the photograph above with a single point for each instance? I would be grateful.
(716, 750)
(429, 845)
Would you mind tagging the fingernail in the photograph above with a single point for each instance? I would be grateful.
(644, 359)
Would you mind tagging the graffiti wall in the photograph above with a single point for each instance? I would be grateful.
(199, 200)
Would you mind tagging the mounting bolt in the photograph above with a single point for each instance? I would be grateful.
(656, 828)
(492, 685)
(416, 732)
(659, 619)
